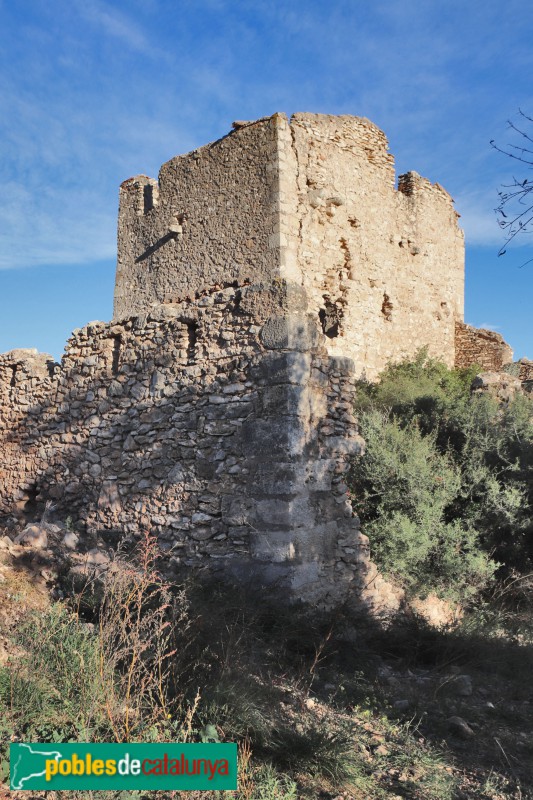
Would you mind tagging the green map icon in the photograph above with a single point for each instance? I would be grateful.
(28, 765)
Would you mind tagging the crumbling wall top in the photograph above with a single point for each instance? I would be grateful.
(312, 201)
(210, 218)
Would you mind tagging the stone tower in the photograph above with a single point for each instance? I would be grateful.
(311, 201)
(257, 279)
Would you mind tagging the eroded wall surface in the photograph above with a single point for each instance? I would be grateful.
(314, 202)
(256, 280)
(211, 219)
(384, 268)
(525, 370)
(479, 346)
(222, 425)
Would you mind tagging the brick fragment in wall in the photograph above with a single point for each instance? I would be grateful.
(220, 446)
(525, 370)
(482, 347)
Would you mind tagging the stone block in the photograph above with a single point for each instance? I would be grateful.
(319, 474)
(341, 364)
(276, 478)
(109, 498)
(261, 301)
(341, 446)
(276, 368)
(273, 546)
(238, 511)
(293, 332)
(305, 578)
(273, 437)
(279, 513)
(285, 399)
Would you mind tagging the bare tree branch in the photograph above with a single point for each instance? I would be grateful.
(515, 208)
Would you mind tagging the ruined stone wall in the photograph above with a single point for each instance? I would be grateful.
(212, 218)
(28, 380)
(383, 268)
(479, 346)
(311, 201)
(222, 425)
(256, 280)
(525, 372)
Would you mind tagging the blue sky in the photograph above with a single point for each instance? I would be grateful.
(94, 91)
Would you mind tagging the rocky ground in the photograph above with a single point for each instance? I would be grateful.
(38, 566)
(422, 705)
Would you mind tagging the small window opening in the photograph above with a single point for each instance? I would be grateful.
(148, 198)
(116, 355)
(330, 320)
(177, 225)
(192, 338)
(13, 381)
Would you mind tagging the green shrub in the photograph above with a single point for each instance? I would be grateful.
(403, 487)
(445, 490)
(55, 693)
(422, 388)
(496, 461)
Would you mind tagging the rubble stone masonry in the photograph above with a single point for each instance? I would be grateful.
(312, 201)
(257, 279)
(222, 425)
(485, 348)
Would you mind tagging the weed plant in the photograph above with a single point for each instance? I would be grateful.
(445, 489)
(207, 662)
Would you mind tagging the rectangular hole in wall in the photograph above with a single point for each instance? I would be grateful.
(115, 366)
(330, 318)
(192, 338)
(148, 198)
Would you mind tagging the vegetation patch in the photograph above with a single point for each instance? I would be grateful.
(445, 488)
(406, 711)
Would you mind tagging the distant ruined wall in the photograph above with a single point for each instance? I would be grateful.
(479, 346)
(222, 425)
(311, 201)
(525, 370)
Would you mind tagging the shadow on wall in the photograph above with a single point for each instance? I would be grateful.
(227, 447)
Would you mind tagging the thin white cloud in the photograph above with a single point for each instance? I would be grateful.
(114, 23)
(488, 326)
(87, 143)
(478, 219)
(61, 174)
(36, 230)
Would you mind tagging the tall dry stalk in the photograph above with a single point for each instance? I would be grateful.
(137, 618)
